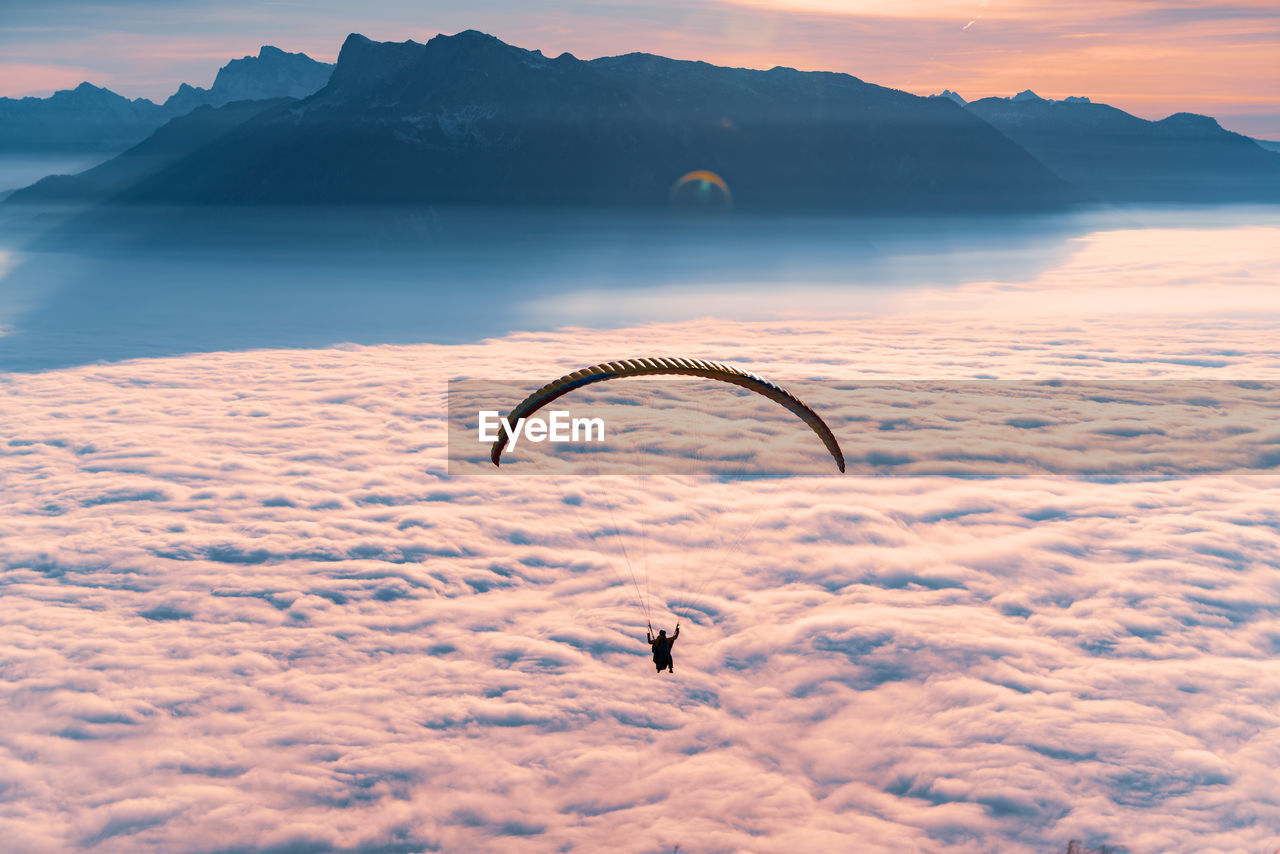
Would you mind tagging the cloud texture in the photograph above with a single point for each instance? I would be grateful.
(245, 611)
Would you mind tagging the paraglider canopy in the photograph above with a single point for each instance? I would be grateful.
(678, 366)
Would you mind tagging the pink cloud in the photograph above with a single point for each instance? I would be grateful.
(247, 611)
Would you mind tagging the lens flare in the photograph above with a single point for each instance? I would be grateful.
(701, 188)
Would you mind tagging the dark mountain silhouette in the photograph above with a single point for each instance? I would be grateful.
(1110, 155)
(92, 119)
(468, 118)
(173, 141)
(86, 118)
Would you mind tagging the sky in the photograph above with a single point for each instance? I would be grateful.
(1152, 59)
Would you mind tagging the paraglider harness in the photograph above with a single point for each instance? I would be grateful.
(661, 645)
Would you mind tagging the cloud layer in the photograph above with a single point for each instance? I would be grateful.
(246, 611)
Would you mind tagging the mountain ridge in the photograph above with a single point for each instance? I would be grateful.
(470, 119)
(174, 140)
(95, 119)
(1114, 156)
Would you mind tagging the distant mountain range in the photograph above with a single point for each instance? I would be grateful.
(175, 140)
(92, 119)
(470, 119)
(1110, 155)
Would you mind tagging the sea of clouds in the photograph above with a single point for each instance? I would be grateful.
(245, 610)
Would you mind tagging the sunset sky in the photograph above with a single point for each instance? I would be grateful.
(1152, 59)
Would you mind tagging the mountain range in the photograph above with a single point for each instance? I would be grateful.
(1110, 155)
(89, 118)
(470, 119)
(174, 140)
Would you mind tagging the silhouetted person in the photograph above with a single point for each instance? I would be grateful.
(662, 648)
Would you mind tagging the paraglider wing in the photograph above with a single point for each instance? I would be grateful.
(669, 366)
